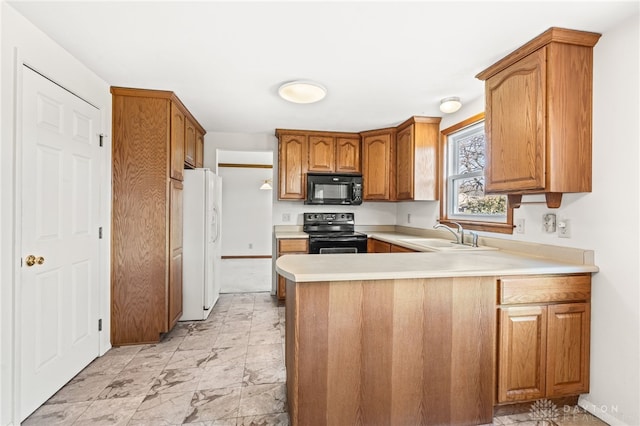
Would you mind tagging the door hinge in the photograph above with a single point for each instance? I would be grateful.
(100, 233)
(102, 136)
(100, 324)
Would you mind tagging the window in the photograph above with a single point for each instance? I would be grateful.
(463, 198)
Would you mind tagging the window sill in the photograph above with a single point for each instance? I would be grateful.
(501, 228)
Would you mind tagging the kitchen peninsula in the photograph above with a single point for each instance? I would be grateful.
(427, 338)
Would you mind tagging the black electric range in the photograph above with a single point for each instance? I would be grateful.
(333, 233)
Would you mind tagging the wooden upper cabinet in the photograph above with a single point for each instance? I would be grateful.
(302, 151)
(322, 154)
(199, 149)
(378, 164)
(538, 117)
(292, 166)
(348, 155)
(177, 141)
(189, 143)
(417, 159)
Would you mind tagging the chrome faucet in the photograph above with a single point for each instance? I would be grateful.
(459, 236)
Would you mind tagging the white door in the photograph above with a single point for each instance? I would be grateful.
(60, 213)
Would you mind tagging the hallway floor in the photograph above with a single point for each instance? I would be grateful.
(227, 370)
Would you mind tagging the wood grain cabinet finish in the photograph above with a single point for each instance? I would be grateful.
(391, 352)
(289, 246)
(378, 164)
(176, 217)
(199, 148)
(178, 121)
(538, 117)
(348, 151)
(417, 142)
(543, 338)
(146, 268)
(322, 154)
(190, 144)
(377, 246)
(292, 166)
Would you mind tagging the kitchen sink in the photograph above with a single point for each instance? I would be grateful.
(440, 244)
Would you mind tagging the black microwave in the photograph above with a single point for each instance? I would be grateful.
(329, 188)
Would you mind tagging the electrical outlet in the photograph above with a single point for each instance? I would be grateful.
(564, 228)
(286, 217)
(408, 217)
(520, 226)
(549, 223)
(250, 245)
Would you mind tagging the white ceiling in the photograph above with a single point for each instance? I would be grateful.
(381, 62)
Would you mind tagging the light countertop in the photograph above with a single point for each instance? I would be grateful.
(381, 266)
(509, 259)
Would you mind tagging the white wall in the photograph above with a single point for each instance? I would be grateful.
(24, 43)
(246, 211)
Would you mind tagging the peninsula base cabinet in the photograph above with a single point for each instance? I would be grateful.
(543, 337)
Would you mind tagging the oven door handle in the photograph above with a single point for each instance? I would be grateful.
(334, 239)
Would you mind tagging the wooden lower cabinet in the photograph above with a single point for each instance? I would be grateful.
(289, 246)
(568, 349)
(377, 246)
(543, 347)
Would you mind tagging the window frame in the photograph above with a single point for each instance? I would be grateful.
(476, 225)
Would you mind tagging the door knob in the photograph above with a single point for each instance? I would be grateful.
(32, 260)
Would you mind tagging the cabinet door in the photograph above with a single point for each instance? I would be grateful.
(515, 126)
(348, 155)
(177, 142)
(321, 154)
(199, 149)
(401, 249)
(568, 349)
(405, 147)
(376, 166)
(377, 246)
(522, 353)
(189, 143)
(175, 252)
(292, 165)
(289, 246)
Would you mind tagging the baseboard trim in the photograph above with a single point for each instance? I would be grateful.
(247, 257)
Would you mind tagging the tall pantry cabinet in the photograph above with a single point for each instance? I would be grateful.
(148, 160)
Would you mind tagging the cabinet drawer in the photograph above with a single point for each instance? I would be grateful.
(542, 289)
(300, 245)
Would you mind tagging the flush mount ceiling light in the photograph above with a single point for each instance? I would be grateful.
(302, 91)
(450, 105)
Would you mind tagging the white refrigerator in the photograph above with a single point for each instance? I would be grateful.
(202, 198)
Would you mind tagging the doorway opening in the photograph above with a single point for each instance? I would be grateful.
(247, 201)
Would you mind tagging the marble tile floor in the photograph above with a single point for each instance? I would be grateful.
(225, 371)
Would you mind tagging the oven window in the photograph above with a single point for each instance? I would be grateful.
(322, 191)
